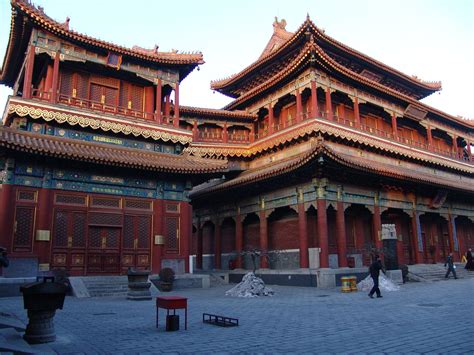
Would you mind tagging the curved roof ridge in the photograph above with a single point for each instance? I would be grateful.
(62, 29)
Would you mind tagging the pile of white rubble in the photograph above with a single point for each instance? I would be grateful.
(250, 286)
(385, 284)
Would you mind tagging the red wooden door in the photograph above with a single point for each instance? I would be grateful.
(136, 242)
(103, 251)
(69, 241)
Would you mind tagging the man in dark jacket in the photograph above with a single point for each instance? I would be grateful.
(450, 264)
(374, 270)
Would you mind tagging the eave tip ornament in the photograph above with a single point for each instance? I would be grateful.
(279, 25)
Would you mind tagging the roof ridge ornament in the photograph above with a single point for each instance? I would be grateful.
(279, 25)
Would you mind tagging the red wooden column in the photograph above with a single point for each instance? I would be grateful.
(430, 137)
(468, 148)
(314, 99)
(195, 131)
(303, 231)
(149, 102)
(322, 227)
(455, 145)
(263, 235)
(43, 248)
(225, 134)
(451, 229)
(158, 115)
(377, 224)
(55, 83)
(199, 246)
(341, 230)
(217, 245)
(157, 249)
(328, 104)
(27, 80)
(270, 119)
(415, 222)
(48, 82)
(394, 125)
(7, 206)
(299, 111)
(356, 112)
(167, 108)
(238, 239)
(252, 133)
(176, 106)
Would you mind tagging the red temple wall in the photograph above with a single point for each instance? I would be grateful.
(251, 235)
(283, 233)
(208, 239)
(228, 236)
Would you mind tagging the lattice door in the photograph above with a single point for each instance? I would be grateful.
(136, 242)
(24, 228)
(172, 234)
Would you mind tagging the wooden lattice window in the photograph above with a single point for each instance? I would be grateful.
(65, 86)
(172, 208)
(95, 241)
(106, 202)
(136, 97)
(138, 205)
(112, 238)
(143, 232)
(105, 219)
(128, 231)
(172, 234)
(24, 225)
(26, 196)
(82, 85)
(60, 229)
(124, 91)
(79, 230)
(70, 200)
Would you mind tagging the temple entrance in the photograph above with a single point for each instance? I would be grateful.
(434, 230)
(103, 250)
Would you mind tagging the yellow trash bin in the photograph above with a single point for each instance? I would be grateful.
(346, 284)
(353, 283)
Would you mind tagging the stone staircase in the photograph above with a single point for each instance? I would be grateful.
(99, 286)
(436, 272)
(11, 338)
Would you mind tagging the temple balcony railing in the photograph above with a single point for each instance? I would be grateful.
(238, 138)
(97, 106)
(210, 137)
(322, 115)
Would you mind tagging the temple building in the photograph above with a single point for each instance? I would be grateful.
(324, 157)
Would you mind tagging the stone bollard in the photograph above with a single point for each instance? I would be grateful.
(138, 285)
(41, 299)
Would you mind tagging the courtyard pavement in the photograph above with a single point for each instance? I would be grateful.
(435, 317)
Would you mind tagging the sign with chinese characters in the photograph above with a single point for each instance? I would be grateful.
(389, 231)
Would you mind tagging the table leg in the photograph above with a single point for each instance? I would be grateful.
(186, 318)
(157, 312)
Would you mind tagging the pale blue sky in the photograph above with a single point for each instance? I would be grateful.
(433, 39)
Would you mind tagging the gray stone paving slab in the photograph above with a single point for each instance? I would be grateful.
(420, 318)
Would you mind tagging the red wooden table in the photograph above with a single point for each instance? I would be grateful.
(172, 303)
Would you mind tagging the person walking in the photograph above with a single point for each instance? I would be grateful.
(451, 267)
(469, 264)
(374, 271)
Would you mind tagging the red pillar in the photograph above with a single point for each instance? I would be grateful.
(149, 102)
(341, 235)
(356, 112)
(263, 239)
(394, 125)
(48, 82)
(158, 116)
(329, 104)
(225, 135)
(157, 250)
(270, 119)
(323, 233)
(217, 246)
(299, 111)
(430, 138)
(238, 240)
(167, 108)
(199, 246)
(377, 227)
(451, 228)
(176, 106)
(195, 131)
(186, 230)
(27, 80)
(468, 148)
(414, 239)
(303, 236)
(43, 248)
(55, 84)
(314, 99)
(7, 207)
